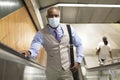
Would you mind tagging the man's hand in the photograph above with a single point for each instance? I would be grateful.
(25, 53)
(75, 67)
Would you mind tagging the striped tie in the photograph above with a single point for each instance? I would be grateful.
(56, 35)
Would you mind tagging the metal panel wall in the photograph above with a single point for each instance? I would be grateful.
(8, 6)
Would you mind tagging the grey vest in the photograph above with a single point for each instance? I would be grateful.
(57, 52)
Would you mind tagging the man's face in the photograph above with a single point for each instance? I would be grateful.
(53, 17)
(53, 14)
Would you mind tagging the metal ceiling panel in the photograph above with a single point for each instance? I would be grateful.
(100, 15)
(45, 3)
(107, 1)
(90, 1)
(87, 1)
(113, 16)
(78, 1)
(68, 1)
(84, 15)
(118, 2)
(69, 14)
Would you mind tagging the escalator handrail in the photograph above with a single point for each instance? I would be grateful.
(105, 67)
(118, 58)
(14, 52)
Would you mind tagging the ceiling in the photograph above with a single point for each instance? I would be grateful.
(83, 14)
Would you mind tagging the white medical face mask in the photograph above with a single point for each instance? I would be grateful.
(54, 22)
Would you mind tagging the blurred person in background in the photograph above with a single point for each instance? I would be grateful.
(103, 50)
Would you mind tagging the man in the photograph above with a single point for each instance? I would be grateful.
(103, 50)
(55, 39)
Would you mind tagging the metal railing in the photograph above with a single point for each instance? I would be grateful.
(14, 66)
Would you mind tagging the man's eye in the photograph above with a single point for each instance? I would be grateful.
(56, 15)
(53, 16)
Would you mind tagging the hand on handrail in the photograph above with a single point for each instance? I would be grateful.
(26, 53)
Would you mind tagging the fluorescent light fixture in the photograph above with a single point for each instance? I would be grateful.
(88, 5)
(7, 3)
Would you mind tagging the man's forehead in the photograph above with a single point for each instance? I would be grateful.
(52, 9)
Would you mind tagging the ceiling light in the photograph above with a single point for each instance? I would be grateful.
(88, 5)
(7, 3)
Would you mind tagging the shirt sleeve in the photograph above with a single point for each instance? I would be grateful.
(78, 44)
(98, 46)
(109, 47)
(36, 44)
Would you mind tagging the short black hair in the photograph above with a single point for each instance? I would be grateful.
(104, 38)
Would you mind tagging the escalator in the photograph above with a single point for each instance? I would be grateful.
(104, 72)
(14, 66)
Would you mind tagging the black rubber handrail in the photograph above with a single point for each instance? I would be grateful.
(14, 52)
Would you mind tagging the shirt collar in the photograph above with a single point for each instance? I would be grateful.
(52, 29)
